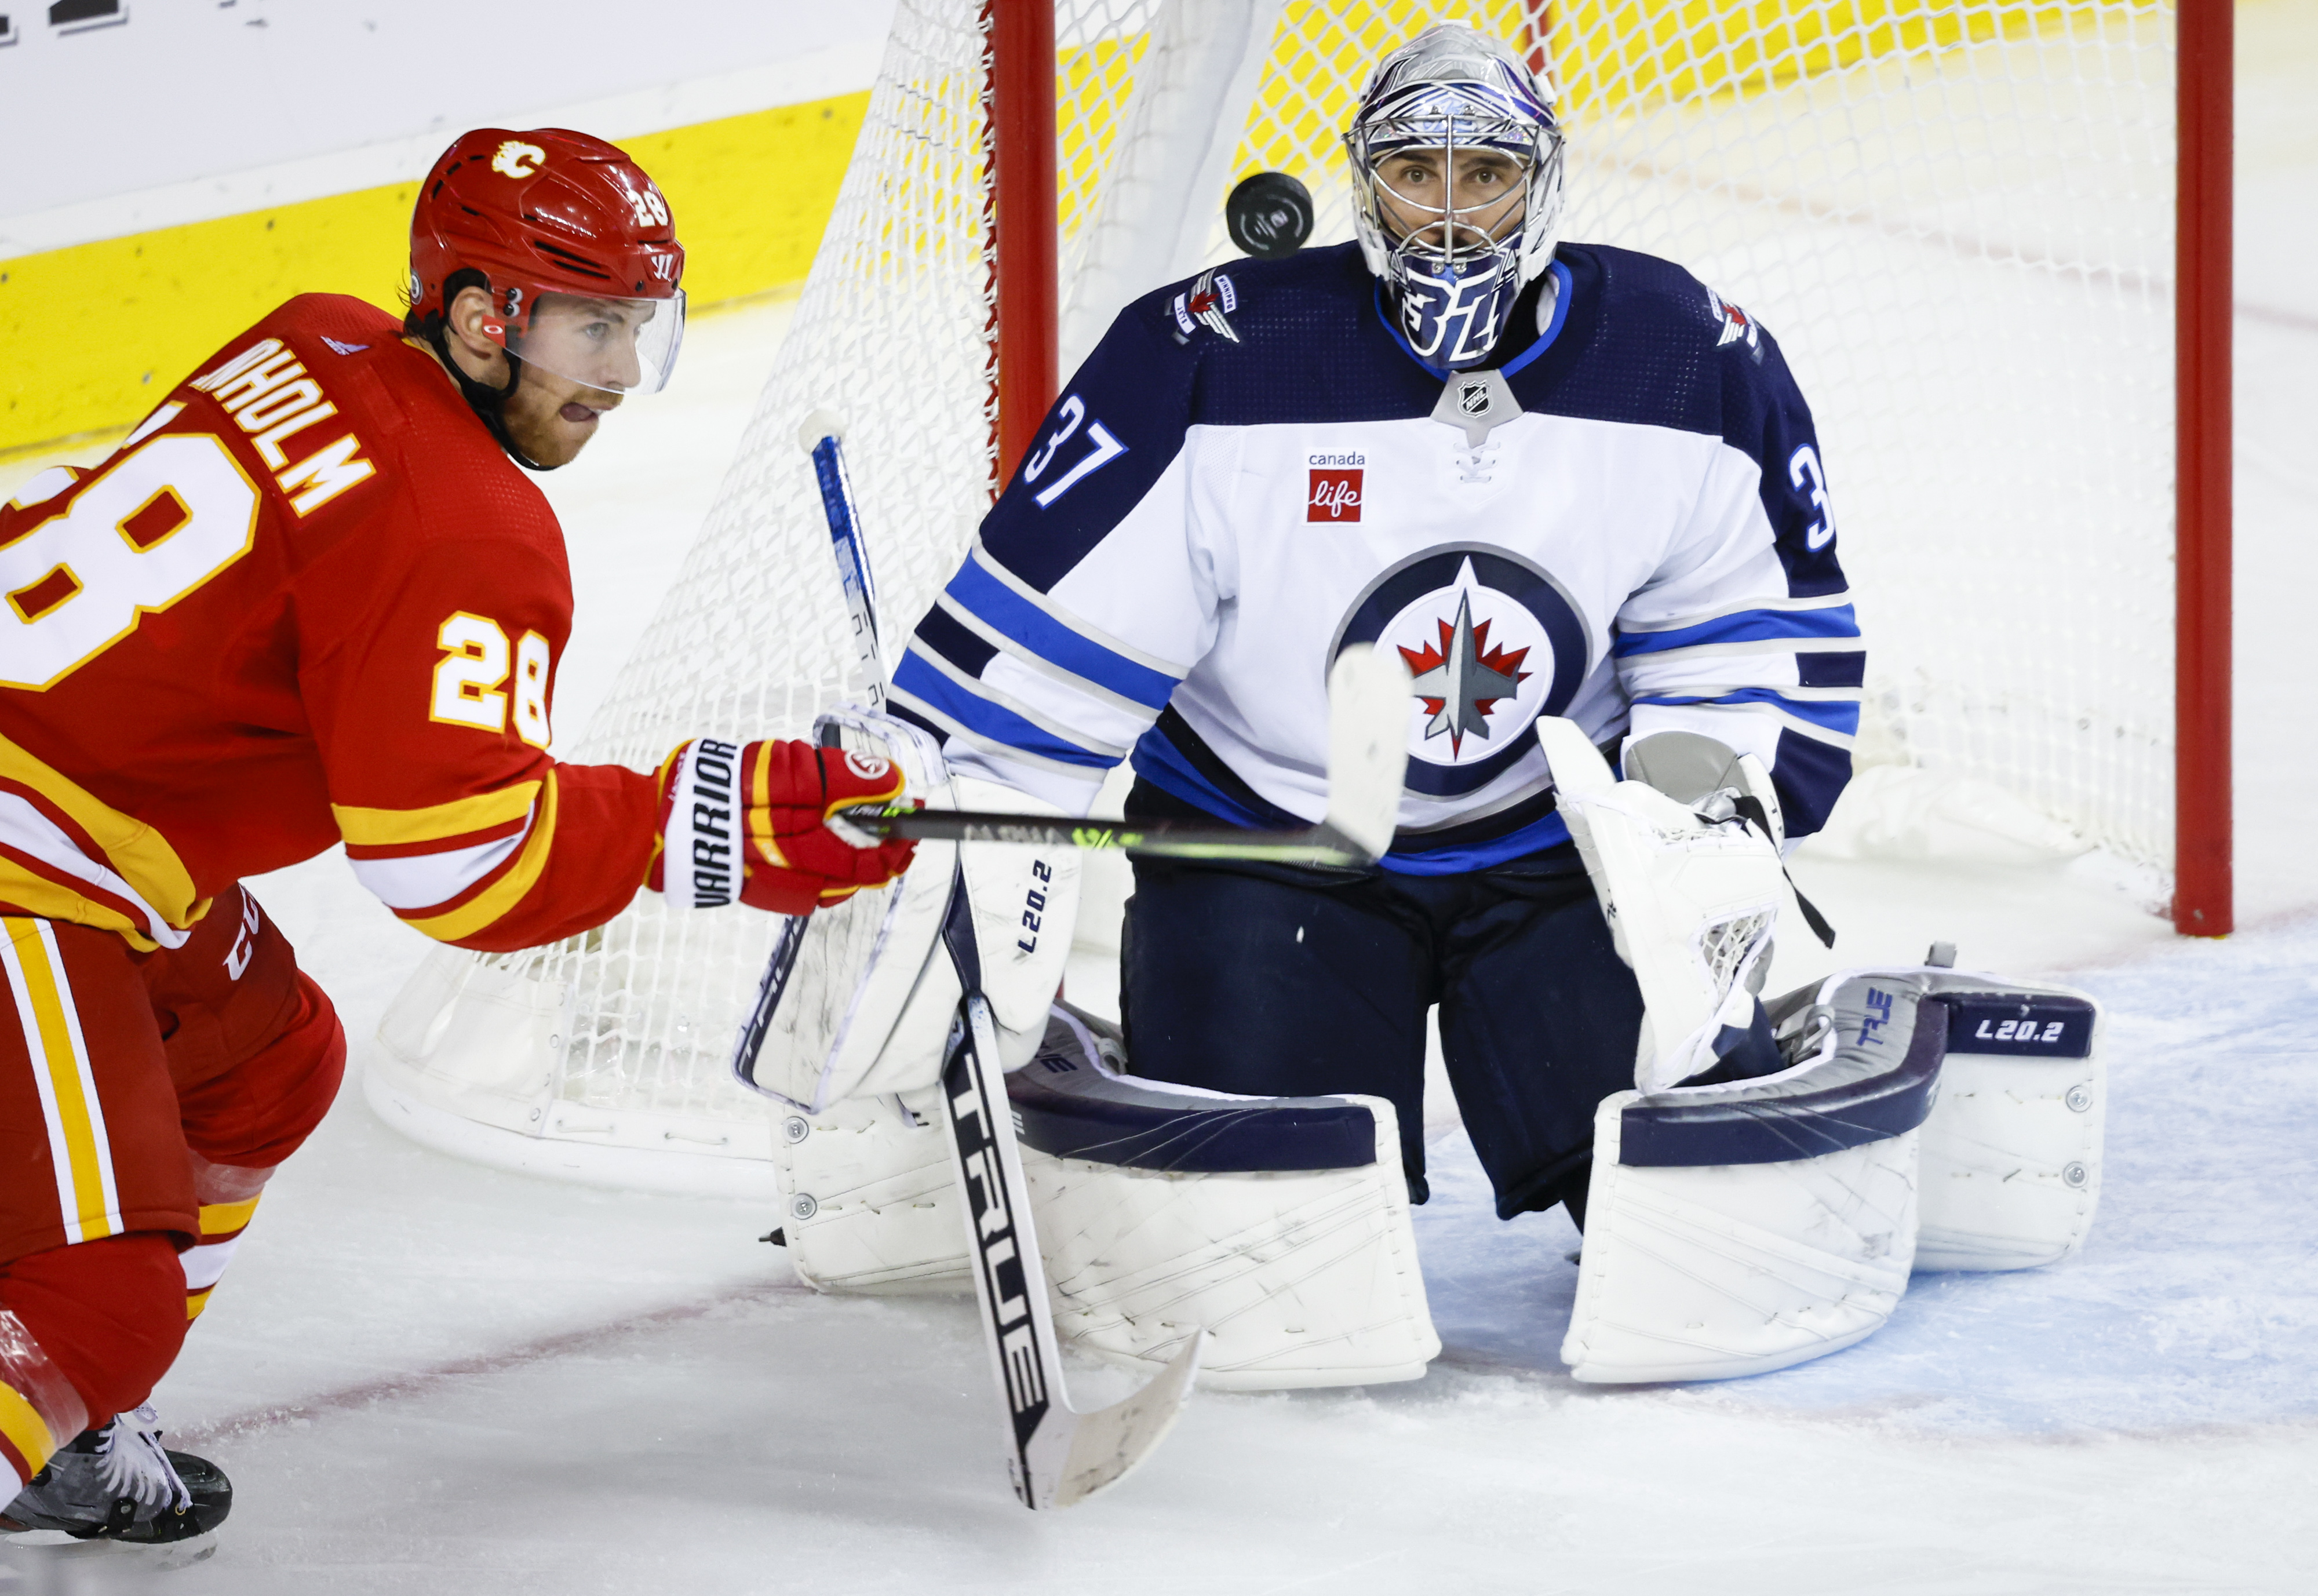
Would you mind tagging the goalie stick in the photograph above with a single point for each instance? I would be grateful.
(1058, 1455)
(1367, 758)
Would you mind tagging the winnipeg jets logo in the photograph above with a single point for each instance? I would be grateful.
(1491, 641)
(1735, 323)
(1206, 303)
(517, 159)
(1464, 678)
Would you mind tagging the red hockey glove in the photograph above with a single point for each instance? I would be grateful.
(748, 823)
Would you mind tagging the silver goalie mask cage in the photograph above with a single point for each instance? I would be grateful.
(1455, 251)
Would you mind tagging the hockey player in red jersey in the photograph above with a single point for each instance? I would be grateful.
(311, 600)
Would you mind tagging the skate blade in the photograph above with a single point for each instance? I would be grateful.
(49, 1548)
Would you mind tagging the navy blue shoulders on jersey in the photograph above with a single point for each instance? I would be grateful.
(1637, 342)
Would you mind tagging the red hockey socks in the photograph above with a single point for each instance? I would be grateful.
(85, 1331)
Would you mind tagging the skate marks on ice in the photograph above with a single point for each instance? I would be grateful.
(791, 1443)
(2194, 1305)
(442, 1378)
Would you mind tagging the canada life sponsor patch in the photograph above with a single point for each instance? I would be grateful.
(1335, 494)
(1491, 641)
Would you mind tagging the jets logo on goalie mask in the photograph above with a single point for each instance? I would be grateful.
(1491, 642)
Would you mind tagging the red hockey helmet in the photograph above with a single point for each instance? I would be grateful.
(551, 213)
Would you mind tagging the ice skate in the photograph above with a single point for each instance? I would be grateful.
(118, 1485)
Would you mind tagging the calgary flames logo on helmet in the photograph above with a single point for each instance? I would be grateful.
(551, 210)
(517, 159)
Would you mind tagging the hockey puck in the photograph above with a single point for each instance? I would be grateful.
(1270, 215)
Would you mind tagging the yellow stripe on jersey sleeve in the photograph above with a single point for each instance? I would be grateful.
(503, 894)
(384, 827)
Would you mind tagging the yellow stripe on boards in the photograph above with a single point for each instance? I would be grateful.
(78, 1112)
(98, 333)
(26, 1430)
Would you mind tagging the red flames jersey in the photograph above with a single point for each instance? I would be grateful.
(309, 599)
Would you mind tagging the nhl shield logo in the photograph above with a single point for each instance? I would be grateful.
(1475, 399)
(1491, 642)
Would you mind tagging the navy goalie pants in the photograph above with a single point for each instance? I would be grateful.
(1272, 980)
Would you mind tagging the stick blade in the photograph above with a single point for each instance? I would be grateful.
(1094, 1451)
(1576, 765)
(1369, 694)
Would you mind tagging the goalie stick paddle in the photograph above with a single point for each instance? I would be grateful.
(1369, 695)
(821, 437)
(1059, 1456)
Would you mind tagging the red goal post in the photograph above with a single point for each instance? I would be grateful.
(2205, 118)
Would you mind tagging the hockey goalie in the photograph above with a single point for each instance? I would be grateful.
(313, 600)
(1581, 497)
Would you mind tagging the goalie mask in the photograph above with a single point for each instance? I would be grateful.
(1455, 161)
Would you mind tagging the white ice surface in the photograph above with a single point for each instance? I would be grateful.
(426, 1376)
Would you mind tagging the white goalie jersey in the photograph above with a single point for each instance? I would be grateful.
(1627, 525)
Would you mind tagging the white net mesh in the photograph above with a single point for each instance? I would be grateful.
(1955, 216)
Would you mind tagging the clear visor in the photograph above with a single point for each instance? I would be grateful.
(620, 346)
(1454, 191)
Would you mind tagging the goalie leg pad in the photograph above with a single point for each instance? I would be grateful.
(1278, 1224)
(1736, 1228)
(868, 1202)
(2012, 1154)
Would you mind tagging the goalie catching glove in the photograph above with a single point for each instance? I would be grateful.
(1691, 890)
(748, 823)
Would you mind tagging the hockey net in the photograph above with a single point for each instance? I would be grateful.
(1956, 215)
